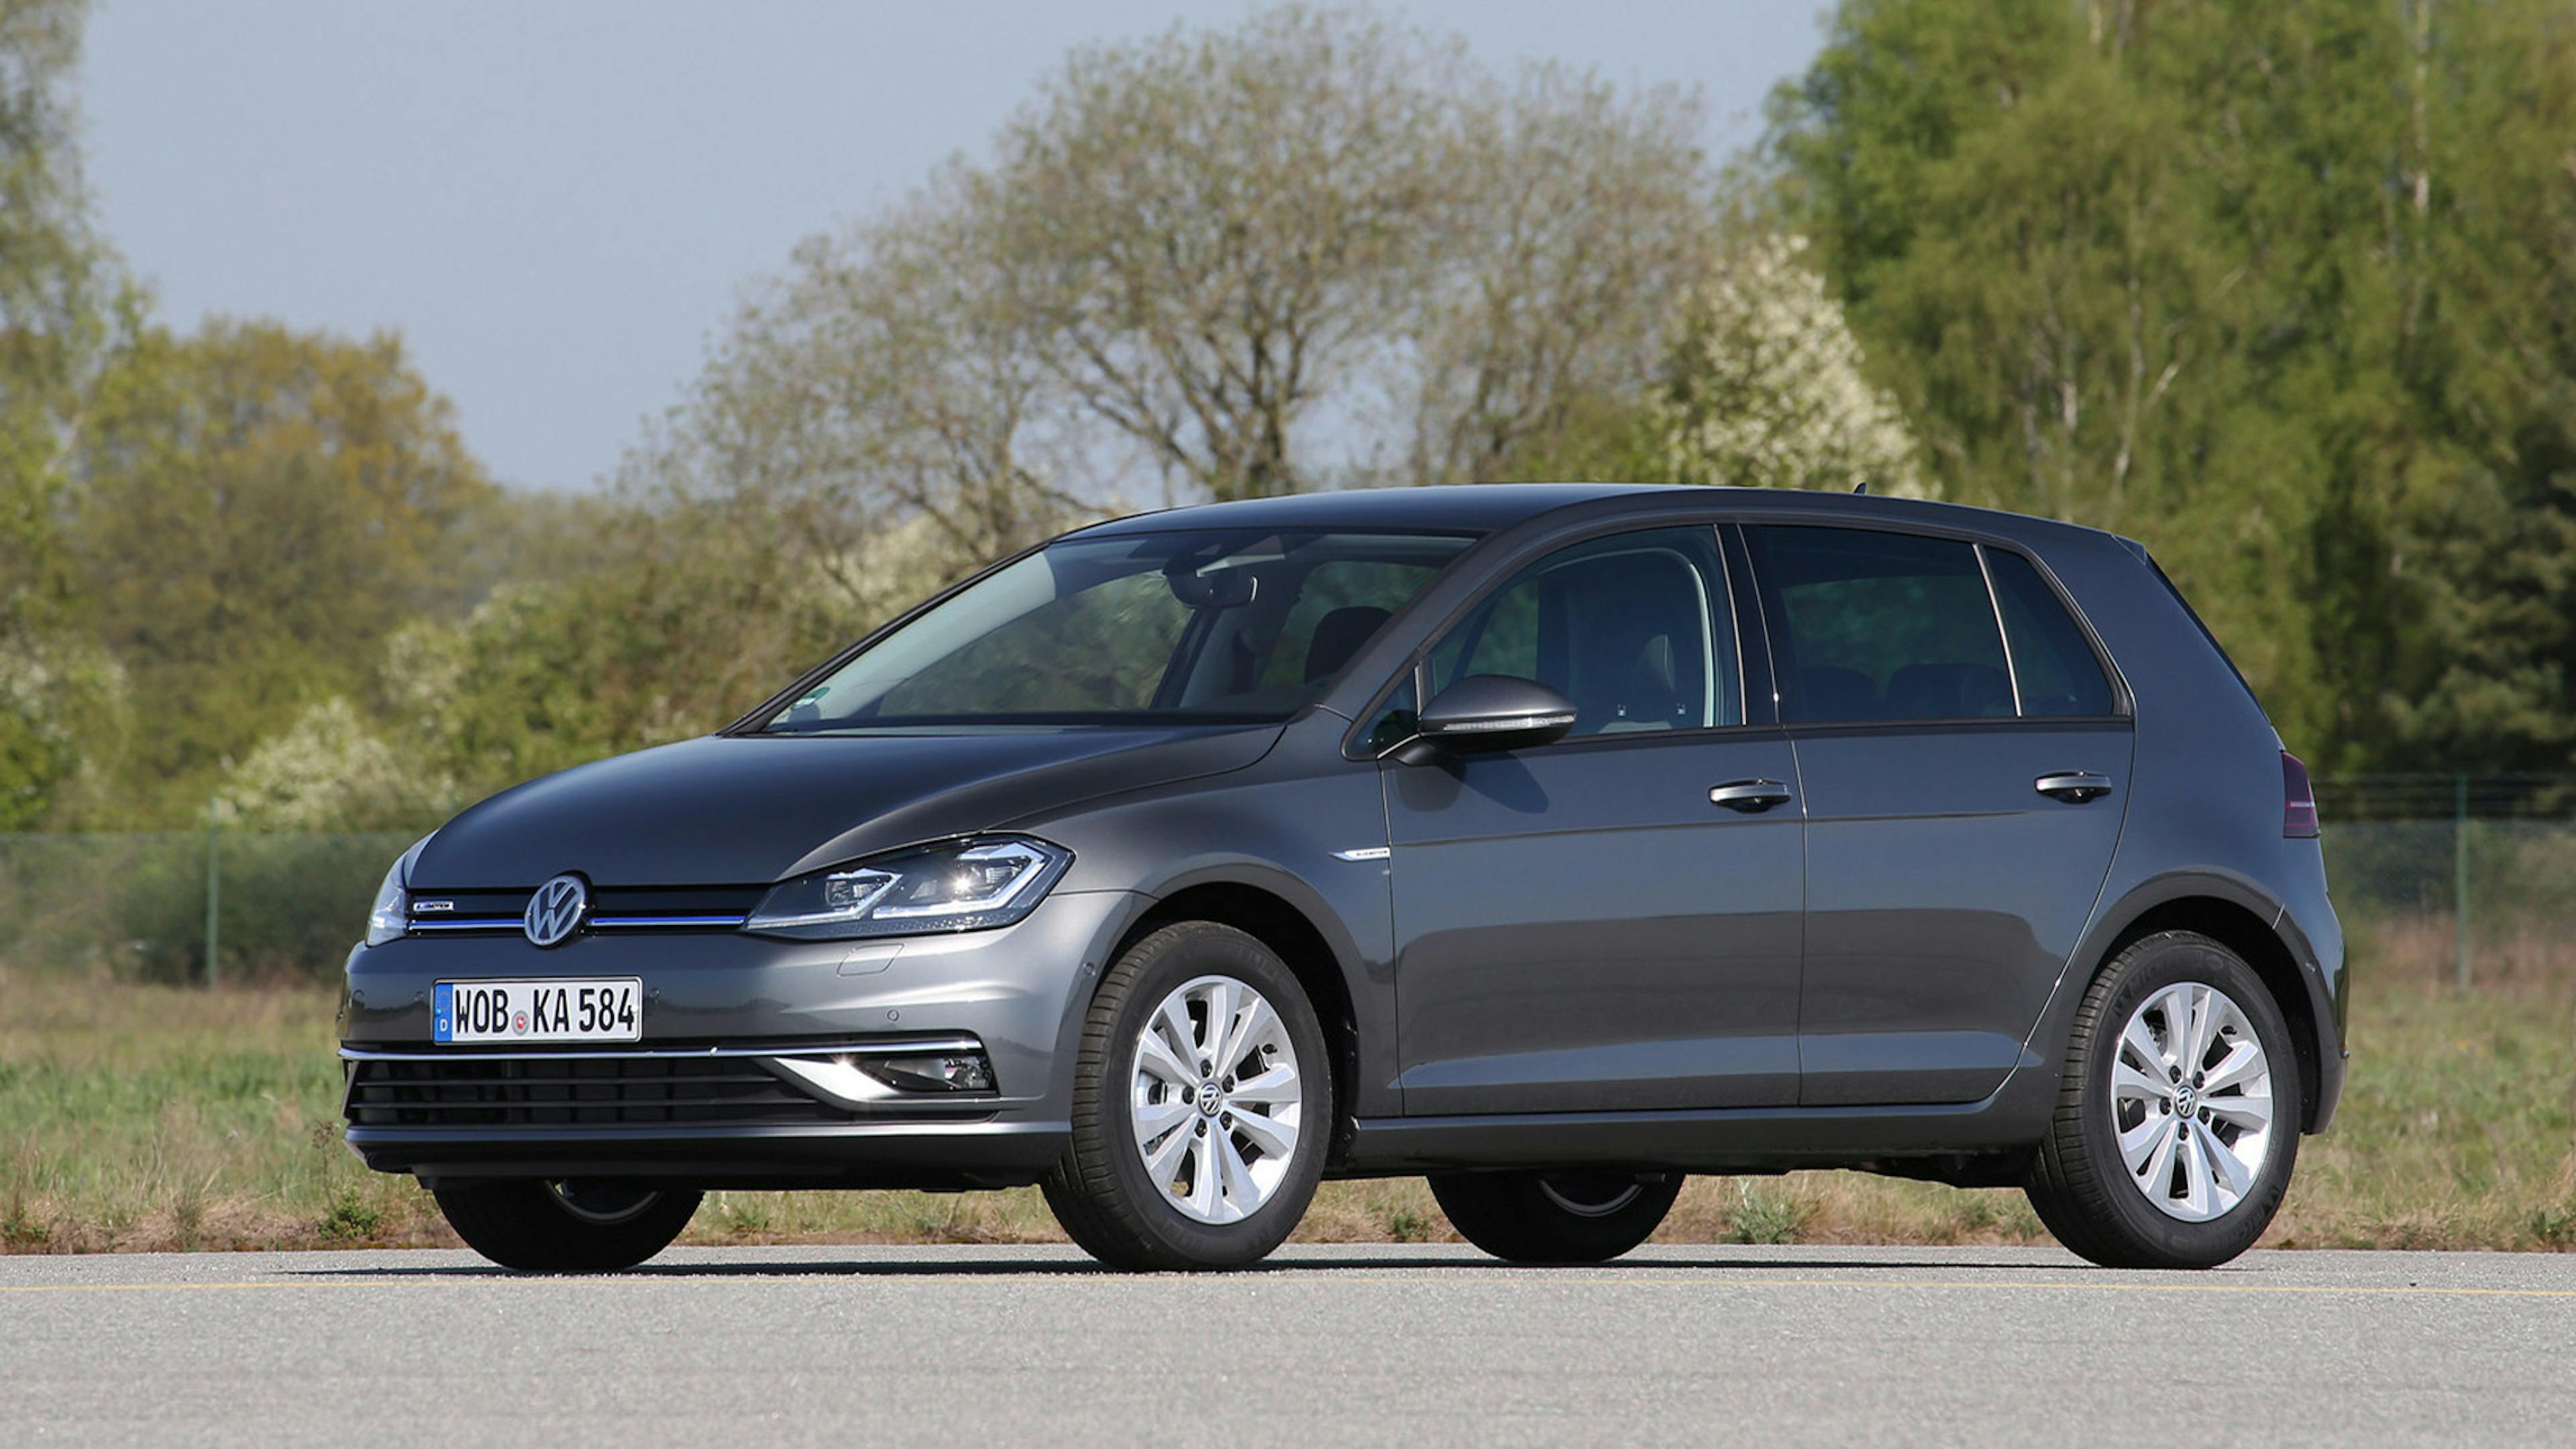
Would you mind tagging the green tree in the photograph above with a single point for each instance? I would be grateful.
(1313, 249)
(57, 304)
(259, 510)
(54, 290)
(2281, 290)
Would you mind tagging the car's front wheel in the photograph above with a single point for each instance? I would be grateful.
(1202, 1100)
(1556, 1217)
(2178, 1116)
(572, 1226)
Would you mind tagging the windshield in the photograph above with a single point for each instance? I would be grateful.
(1210, 626)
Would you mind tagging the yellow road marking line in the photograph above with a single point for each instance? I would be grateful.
(2088, 1287)
(1616, 1280)
(176, 1287)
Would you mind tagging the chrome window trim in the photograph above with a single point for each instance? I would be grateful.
(2003, 635)
(1735, 627)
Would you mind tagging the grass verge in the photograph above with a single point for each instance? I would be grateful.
(138, 1117)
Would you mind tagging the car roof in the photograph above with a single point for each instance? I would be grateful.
(1471, 507)
(1492, 507)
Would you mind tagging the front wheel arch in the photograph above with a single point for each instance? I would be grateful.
(1294, 937)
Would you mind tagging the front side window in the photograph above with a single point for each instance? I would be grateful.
(1879, 626)
(1635, 629)
(1199, 625)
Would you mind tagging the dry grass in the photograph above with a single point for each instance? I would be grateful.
(136, 1117)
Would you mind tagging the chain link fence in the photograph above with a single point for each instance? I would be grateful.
(2468, 877)
(189, 906)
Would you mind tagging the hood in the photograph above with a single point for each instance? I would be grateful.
(743, 810)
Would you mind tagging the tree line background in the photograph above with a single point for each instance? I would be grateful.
(2286, 291)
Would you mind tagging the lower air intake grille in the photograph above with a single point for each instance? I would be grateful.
(551, 1092)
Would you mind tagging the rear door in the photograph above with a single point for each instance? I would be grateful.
(1964, 756)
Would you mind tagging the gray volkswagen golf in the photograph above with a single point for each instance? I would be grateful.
(1550, 842)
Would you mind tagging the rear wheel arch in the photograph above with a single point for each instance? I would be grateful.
(2242, 930)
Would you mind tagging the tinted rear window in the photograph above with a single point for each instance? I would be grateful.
(1880, 626)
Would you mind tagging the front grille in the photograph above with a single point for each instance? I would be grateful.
(574, 1091)
(612, 908)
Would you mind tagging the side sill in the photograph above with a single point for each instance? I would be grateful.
(1755, 1139)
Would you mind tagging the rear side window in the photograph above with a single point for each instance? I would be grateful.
(1879, 626)
(2052, 661)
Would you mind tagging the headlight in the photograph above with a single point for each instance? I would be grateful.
(967, 885)
(390, 917)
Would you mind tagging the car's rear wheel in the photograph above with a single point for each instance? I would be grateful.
(1556, 1217)
(577, 1225)
(2177, 1119)
(1202, 1101)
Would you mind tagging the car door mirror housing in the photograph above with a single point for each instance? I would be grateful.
(1484, 713)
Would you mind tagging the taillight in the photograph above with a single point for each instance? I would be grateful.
(2298, 800)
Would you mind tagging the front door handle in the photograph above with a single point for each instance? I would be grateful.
(1749, 796)
(2073, 786)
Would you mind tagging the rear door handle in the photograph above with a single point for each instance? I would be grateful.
(1749, 796)
(2073, 786)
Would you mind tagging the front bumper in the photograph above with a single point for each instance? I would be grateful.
(738, 1031)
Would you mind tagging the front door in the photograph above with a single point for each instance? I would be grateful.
(1580, 927)
(1963, 799)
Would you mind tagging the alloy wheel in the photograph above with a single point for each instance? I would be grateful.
(1215, 1099)
(2191, 1102)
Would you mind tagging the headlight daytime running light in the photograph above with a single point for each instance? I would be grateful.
(389, 919)
(964, 885)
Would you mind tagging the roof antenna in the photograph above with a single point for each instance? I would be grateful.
(1861, 487)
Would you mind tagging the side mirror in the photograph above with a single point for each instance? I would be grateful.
(1489, 712)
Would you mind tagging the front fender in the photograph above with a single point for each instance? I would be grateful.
(1285, 828)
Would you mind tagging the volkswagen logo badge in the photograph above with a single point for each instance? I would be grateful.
(556, 910)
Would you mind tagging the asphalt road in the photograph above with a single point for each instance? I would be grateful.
(1401, 1345)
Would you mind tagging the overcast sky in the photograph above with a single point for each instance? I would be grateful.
(556, 203)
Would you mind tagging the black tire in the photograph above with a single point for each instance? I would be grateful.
(565, 1227)
(1556, 1217)
(2079, 1184)
(1100, 1189)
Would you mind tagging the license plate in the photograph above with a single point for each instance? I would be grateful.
(539, 1011)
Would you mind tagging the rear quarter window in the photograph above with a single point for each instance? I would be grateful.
(2053, 662)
